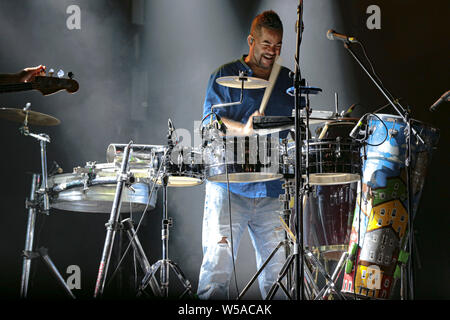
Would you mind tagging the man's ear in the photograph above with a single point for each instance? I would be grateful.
(250, 40)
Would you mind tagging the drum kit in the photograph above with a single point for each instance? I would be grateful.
(354, 212)
(356, 185)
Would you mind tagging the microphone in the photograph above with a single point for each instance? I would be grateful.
(355, 131)
(444, 97)
(220, 125)
(333, 35)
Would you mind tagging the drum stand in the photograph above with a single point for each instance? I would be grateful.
(113, 224)
(34, 204)
(165, 263)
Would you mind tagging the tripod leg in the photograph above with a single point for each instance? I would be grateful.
(148, 278)
(44, 255)
(29, 239)
(282, 273)
(330, 286)
(143, 261)
(260, 270)
(182, 278)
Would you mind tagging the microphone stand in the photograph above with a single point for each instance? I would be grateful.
(405, 114)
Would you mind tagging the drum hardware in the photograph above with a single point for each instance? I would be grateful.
(38, 202)
(285, 216)
(165, 264)
(112, 225)
(296, 258)
(140, 254)
(240, 82)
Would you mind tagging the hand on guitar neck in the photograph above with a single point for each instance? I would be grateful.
(25, 75)
(34, 78)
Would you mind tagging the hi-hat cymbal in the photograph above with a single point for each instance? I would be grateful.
(34, 118)
(236, 82)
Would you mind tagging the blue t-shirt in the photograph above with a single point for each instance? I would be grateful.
(279, 104)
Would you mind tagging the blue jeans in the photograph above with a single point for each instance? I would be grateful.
(262, 219)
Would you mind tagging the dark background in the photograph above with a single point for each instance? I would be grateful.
(140, 63)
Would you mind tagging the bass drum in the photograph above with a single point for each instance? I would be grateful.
(92, 190)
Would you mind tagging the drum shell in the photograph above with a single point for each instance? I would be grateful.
(73, 192)
(328, 217)
(238, 159)
(182, 165)
(333, 157)
(381, 218)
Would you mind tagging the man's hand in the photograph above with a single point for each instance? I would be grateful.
(28, 74)
(248, 128)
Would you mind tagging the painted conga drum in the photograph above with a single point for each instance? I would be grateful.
(379, 227)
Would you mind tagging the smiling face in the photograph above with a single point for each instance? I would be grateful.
(264, 46)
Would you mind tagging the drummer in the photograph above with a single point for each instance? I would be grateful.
(253, 205)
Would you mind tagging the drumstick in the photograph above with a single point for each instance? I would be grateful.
(272, 79)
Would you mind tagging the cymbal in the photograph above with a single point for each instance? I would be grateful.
(236, 82)
(34, 118)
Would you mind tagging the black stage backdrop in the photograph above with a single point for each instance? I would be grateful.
(140, 63)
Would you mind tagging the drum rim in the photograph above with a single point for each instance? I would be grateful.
(387, 115)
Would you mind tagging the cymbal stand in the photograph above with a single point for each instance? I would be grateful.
(285, 216)
(113, 224)
(39, 201)
(165, 263)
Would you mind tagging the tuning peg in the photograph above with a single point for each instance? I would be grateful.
(51, 72)
(70, 74)
(60, 73)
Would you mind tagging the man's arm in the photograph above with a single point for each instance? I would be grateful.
(236, 128)
(24, 75)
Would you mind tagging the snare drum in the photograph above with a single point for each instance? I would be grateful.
(380, 222)
(239, 159)
(93, 190)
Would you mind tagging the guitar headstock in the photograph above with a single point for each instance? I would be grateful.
(48, 85)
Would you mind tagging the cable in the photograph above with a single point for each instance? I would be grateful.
(373, 70)
(231, 225)
(387, 131)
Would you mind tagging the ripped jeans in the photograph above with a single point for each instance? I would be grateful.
(262, 219)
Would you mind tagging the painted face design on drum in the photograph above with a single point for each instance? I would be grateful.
(264, 47)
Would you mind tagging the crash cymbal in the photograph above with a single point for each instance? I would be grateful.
(236, 82)
(34, 118)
